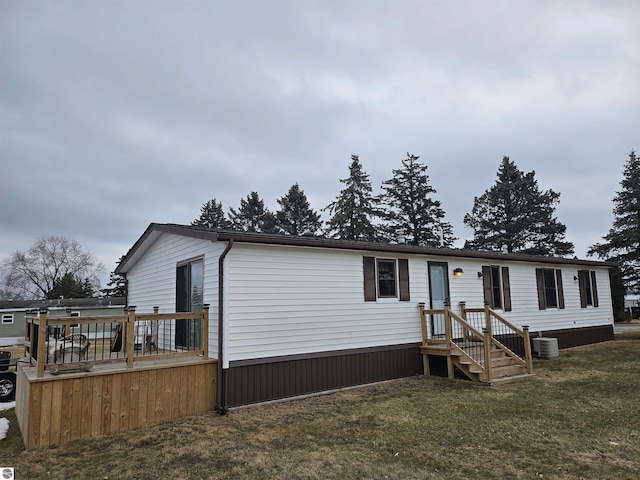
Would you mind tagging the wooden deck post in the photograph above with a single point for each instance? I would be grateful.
(463, 315)
(131, 313)
(487, 315)
(42, 341)
(487, 353)
(527, 349)
(449, 337)
(423, 328)
(205, 331)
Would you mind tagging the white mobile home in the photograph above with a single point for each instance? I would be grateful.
(296, 315)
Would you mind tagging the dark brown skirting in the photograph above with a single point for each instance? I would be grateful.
(282, 377)
(574, 337)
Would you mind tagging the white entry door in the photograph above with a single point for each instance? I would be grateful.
(438, 295)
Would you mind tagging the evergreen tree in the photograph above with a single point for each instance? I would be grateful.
(410, 208)
(355, 209)
(117, 286)
(514, 214)
(212, 216)
(296, 216)
(253, 216)
(622, 243)
(68, 286)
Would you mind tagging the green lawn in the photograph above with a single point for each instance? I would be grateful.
(578, 418)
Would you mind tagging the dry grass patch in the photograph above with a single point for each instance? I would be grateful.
(577, 419)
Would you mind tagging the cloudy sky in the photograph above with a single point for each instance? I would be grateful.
(115, 114)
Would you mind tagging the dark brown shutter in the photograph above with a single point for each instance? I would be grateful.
(369, 265)
(486, 284)
(594, 289)
(506, 289)
(542, 304)
(560, 289)
(403, 276)
(583, 288)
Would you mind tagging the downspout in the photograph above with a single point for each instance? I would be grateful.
(221, 387)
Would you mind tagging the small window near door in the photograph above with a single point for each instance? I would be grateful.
(386, 278)
(588, 288)
(550, 291)
(7, 318)
(497, 289)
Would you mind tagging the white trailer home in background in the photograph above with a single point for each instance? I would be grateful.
(296, 315)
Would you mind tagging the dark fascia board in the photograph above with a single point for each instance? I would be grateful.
(146, 239)
(322, 242)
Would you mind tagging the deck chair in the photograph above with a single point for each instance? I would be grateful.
(72, 348)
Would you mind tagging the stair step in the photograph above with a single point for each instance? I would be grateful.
(507, 371)
(503, 362)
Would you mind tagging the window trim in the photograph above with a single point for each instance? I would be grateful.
(390, 261)
(6, 316)
(371, 279)
(588, 287)
(542, 288)
(503, 287)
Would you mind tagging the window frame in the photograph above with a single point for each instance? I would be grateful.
(588, 288)
(4, 319)
(496, 282)
(372, 279)
(544, 287)
(381, 281)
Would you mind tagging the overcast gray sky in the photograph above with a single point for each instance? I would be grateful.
(116, 114)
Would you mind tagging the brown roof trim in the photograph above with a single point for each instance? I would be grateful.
(323, 242)
(184, 230)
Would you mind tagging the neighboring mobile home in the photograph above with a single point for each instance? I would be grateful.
(296, 315)
(12, 323)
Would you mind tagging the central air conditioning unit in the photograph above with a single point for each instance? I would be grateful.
(545, 347)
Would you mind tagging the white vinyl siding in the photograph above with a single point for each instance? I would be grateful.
(294, 300)
(524, 295)
(152, 280)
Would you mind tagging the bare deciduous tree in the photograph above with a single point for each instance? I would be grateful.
(35, 273)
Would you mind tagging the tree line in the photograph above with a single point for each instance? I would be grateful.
(513, 216)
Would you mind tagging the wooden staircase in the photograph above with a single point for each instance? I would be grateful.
(481, 357)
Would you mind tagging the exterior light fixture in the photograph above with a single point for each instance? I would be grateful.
(458, 272)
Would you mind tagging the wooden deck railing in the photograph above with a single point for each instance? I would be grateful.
(474, 339)
(58, 343)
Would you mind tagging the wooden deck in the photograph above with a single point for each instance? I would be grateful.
(57, 409)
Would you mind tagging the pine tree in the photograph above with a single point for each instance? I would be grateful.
(212, 216)
(515, 215)
(117, 286)
(253, 216)
(355, 209)
(411, 208)
(295, 215)
(68, 286)
(622, 243)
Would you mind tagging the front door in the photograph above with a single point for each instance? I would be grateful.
(438, 295)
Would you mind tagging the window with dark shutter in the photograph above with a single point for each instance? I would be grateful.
(497, 290)
(403, 277)
(560, 291)
(486, 284)
(550, 291)
(369, 265)
(386, 278)
(506, 289)
(587, 288)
